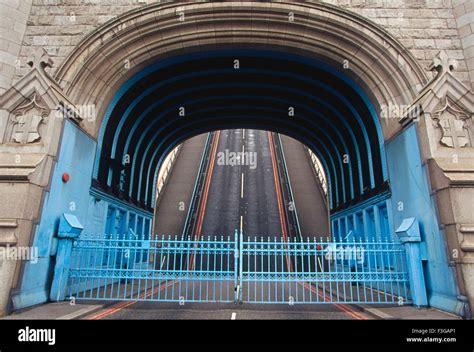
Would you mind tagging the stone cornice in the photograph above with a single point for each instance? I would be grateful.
(466, 245)
(10, 171)
(7, 232)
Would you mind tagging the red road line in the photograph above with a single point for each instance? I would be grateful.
(207, 186)
(119, 306)
(279, 196)
(122, 305)
(345, 309)
(277, 187)
(205, 195)
(357, 315)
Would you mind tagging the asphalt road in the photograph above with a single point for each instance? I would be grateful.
(244, 190)
(242, 196)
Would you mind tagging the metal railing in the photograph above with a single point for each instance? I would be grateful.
(238, 269)
(167, 268)
(319, 270)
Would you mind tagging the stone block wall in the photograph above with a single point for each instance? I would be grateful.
(13, 22)
(423, 26)
(464, 13)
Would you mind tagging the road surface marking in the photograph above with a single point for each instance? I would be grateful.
(80, 312)
(242, 186)
(163, 261)
(346, 309)
(119, 306)
(208, 178)
(234, 315)
(243, 133)
(202, 209)
(280, 202)
(377, 312)
(122, 305)
(279, 197)
(241, 222)
(207, 183)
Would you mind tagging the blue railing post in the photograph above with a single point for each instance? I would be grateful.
(236, 267)
(69, 229)
(409, 234)
(241, 246)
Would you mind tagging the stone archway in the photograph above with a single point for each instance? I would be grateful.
(129, 43)
(108, 57)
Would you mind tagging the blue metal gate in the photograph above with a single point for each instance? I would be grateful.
(322, 271)
(169, 269)
(250, 270)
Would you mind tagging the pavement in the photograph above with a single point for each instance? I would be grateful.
(242, 192)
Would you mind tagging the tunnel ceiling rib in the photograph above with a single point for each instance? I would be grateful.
(332, 115)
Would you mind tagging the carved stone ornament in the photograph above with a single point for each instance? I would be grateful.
(442, 64)
(40, 59)
(26, 120)
(455, 125)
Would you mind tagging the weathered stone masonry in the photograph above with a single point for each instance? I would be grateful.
(423, 26)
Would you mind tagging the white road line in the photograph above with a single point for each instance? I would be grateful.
(163, 261)
(241, 223)
(243, 133)
(80, 312)
(234, 315)
(242, 186)
(377, 312)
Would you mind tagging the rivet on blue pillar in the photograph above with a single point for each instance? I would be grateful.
(409, 234)
(69, 229)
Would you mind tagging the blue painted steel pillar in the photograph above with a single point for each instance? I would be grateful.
(69, 229)
(409, 234)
